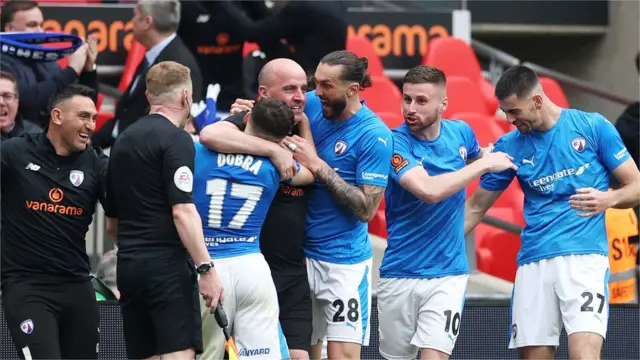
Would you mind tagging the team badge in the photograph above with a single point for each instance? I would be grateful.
(398, 163)
(463, 152)
(578, 144)
(27, 326)
(76, 177)
(340, 147)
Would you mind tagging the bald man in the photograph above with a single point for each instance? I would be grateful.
(284, 228)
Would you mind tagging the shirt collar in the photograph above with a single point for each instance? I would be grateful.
(153, 53)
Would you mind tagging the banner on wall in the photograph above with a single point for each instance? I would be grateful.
(400, 38)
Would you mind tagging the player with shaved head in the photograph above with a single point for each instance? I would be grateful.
(285, 80)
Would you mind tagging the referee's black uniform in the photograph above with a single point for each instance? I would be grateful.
(48, 203)
(151, 170)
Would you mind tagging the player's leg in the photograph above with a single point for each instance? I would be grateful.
(295, 313)
(346, 295)
(397, 316)
(584, 301)
(256, 328)
(212, 335)
(175, 310)
(439, 315)
(535, 313)
(79, 332)
(32, 320)
(318, 318)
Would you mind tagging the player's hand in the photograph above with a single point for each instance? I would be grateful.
(241, 105)
(282, 158)
(211, 288)
(487, 150)
(498, 162)
(78, 59)
(303, 152)
(92, 52)
(590, 201)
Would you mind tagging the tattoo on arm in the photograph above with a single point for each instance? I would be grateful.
(362, 201)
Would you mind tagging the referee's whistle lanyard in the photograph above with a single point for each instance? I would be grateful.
(28, 45)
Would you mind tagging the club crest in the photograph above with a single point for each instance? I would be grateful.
(579, 144)
(27, 326)
(76, 177)
(463, 152)
(340, 147)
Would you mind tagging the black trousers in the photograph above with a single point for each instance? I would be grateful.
(52, 320)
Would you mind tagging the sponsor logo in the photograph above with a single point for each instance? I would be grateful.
(183, 179)
(399, 40)
(527, 161)
(76, 177)
(620, 154)
(463, 152)
(254, 352)
(212, 241)
(384, 141)
(579, 144)
(398, 162)
(340, 147)
(56, 195)
(27, 326)
(373, 176)
(32, 167)
(291, 191)
(547, 183)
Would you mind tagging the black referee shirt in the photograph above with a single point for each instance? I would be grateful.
(151, 170)
(48, 202)
(283, 231)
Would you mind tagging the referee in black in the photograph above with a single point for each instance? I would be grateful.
(50, 185)
(150, 184)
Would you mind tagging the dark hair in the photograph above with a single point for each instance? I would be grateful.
(354, 68)
(423, 74)
(272, 117)
(518, 80)
(10, 9)
(69, 92)
(638, 61)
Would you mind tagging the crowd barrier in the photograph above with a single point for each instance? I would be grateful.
(484, 333)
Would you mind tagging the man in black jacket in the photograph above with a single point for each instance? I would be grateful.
(154, 26)
(11, 123)
(628, 125)
(37, 81)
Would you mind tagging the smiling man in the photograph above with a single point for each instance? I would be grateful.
(565, 158)
(51, 182)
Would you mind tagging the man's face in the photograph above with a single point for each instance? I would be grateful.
(8, 104)
(141, 23)
(76, 121)
(331, 90)
(523, 113)
(290, 87)
(422, 105)
(26, 21)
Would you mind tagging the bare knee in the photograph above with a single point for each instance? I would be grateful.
(537, 353)
(188, 354)
(316, 351)
(432, 354)
(343, 351)
(300, 354)
(584, 345)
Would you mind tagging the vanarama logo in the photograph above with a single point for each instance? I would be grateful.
(56, 195)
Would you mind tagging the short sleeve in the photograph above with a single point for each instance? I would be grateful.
(374, 157)
(238, 120)
(313, 106)
(473, 148)
(611, 150)
(402, 159)
(288, 181)
(178, 160)
(498, 181)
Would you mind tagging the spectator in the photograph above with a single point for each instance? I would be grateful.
(11, 123)
(155, 23)
(628, 124)
(37, 81)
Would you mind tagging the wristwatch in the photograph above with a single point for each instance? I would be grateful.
(205, 267)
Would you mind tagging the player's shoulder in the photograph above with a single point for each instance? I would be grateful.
(456, 127)
(370, 122)
(20, 142)
(582, 119)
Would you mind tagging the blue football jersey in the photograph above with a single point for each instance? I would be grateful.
(359, 149)
(579, 151)
(232, 193)
(427, 240)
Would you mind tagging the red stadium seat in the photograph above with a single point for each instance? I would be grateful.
(378, 225)
(135, 56)
(456, 58)
(361, 46)
(464, 97)
(393, 120)
(383, 96)
(484, 127)
(496, 249)
(554, 92)
(504, 124)
(249, 47)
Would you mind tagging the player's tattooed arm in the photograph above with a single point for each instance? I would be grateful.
(363, 201)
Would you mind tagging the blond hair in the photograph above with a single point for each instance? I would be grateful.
(166, 78)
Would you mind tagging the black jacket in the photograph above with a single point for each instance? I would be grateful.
(21, 127)
(628, 126)
(37, 81)
(134, 105)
